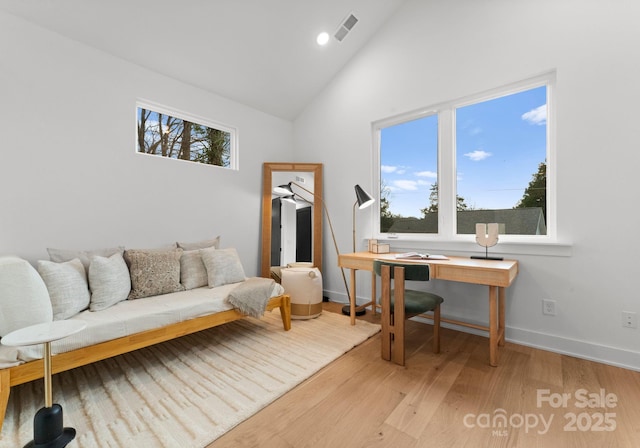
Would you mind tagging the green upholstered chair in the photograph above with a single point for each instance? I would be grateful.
(399, 303)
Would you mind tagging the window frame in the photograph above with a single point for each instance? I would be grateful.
(447, 170)
(176, 113)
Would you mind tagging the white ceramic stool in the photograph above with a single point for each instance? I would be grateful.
(304, 286)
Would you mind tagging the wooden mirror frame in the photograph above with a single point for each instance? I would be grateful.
(267, 195)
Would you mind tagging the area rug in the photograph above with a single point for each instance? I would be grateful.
(186, 392)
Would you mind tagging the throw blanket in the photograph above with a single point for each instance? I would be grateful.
(252, 295)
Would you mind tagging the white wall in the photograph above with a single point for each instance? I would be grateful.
(433, 51)
(70, 176)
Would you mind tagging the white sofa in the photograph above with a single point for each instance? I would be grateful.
(185, 289)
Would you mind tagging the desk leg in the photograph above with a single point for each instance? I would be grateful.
(352, 298)
(501, 316)
(493, 325)
(373, 293)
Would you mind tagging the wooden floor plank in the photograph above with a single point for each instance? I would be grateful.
(422, 402)
(450, 399)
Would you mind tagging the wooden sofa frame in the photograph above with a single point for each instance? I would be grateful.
(33, 370)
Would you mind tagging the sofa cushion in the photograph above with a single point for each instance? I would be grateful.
(24, 299)
(193, 273)
(60, 255)
(153, 272)
(130, 317)
(204, 244)
(109, 281)
(223, 266)
(67, 286)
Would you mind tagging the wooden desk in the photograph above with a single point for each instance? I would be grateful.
(495, 274)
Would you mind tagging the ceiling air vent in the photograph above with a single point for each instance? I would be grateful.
(345, 27)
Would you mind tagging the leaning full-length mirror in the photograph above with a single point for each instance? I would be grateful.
(291, 223)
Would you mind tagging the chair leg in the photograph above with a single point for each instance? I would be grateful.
(386, 322)
(398, 316)
(436, 330)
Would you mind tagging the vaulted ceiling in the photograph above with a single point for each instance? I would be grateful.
(262, 53)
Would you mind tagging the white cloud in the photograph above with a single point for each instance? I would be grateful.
(537, 116)
(429, 174)
(404, 184)
(478, 155)
(388, 169)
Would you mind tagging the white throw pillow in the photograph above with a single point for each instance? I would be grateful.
(109, 281)
(205, 244)
(223, 266)
(67, 286)
(61, 255)
(193, 273)
(24, 299)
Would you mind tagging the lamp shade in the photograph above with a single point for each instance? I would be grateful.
(290, 198)
(363, 198)
(283, 190)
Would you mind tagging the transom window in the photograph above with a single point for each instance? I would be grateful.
(175, 135)
(480, 159)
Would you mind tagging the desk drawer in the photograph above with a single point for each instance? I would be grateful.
(361, 264)
(479, 276)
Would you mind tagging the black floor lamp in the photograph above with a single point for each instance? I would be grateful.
(363, 200)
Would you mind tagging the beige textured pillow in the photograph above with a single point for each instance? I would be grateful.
(109, 281)
(223, 266)
(153, 272)
(67, 286)
(193, 273)
(205, 244)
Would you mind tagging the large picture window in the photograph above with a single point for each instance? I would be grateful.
(166, 133)
(480, 159)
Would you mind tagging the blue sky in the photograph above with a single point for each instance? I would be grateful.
(500, 144)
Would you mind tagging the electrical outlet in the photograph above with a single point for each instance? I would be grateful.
(629, 319)
(548, 307)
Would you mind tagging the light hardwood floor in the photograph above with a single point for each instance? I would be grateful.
(452, 399)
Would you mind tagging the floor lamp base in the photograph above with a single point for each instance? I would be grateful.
(359, 312)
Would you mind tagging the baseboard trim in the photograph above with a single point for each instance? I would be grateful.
(617, 357)
(626, 359)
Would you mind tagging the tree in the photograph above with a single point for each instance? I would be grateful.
(386, 217)
(215, 146)
(162, 134)
(535, 195)
(384, 200)
(185, 141)
(433, 201)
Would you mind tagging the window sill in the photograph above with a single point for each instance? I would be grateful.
(404, 243)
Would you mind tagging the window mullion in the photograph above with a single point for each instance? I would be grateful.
(446, 174)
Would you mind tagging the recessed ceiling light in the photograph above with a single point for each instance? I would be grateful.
(323, 38)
